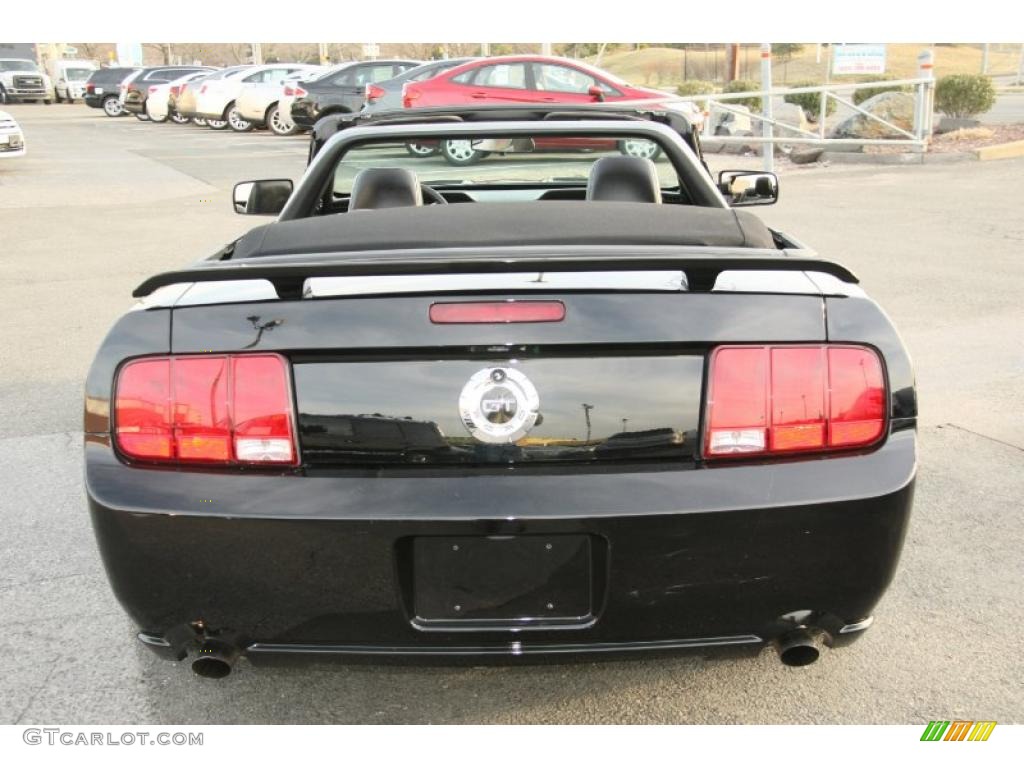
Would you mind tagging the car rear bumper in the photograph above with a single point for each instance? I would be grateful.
(680, 559)
(304, 114)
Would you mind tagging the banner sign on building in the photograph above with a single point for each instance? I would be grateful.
(859, 59)
(129, 54)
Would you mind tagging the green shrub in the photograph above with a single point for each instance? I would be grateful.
(964, 95)
(695, 88)
(753, 103)
(810, 102)
(863, 94)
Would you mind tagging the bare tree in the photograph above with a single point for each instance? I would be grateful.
(101, 52)
(412, 50)
(162, 50)
(240, 53)
(456, 50)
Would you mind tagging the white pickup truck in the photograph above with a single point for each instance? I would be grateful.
(22, 80)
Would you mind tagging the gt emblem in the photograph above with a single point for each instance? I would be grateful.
(499, 405)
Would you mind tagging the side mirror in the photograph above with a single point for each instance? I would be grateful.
(596, 93)
(261, 198)
(749, 187)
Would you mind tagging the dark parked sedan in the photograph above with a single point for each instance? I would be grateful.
(343, 89)
(103, 89)
(578, 404)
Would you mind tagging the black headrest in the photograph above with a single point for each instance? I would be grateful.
(624, 179)
(385, 188)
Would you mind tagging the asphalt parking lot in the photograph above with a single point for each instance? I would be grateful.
(99, 204)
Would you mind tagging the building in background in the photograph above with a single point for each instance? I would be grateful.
(18, 51)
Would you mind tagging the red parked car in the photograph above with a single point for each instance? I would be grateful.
(530, 80)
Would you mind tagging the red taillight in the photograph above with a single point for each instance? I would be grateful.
(498, 312)
(142, 410)
(262, 410)
(90, 88)
(300, 92)
(152, 88)
(289, 91)
(857, 402)
(409, 95)
(228, 409)
(202, 88)
(373, 92)
(786, 399)
(174, 90)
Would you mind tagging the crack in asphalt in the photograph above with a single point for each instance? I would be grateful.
(70, 434)
(38, 690)
(979, 434)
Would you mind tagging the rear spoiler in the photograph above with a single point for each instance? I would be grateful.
(288, 274)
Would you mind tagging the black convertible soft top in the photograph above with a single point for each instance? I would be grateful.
(467, 225)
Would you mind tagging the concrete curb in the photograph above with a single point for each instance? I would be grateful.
(997, 152)
(863, 158)
(1000, 151)
(903, 158)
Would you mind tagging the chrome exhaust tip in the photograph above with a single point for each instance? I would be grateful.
(215, 659)
(798, 648)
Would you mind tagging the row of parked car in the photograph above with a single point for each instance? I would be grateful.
(291, 98)
(288, 98)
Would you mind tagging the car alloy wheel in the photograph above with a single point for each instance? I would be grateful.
(644, 148)
(278, 123)
(237, 122)
(460, 152)
(199, 121)
(178, 118)
(216, 125)
(112, 107)
(153, 119)
(421, 150)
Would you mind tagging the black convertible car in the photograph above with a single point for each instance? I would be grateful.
(559, 402)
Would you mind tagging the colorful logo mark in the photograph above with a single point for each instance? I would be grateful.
(958, 730)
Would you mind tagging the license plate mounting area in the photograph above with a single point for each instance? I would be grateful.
(502, 582)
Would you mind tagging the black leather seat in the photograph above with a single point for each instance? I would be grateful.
(385, 188)
(624, 180)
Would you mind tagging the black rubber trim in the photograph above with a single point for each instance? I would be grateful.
(701, 271)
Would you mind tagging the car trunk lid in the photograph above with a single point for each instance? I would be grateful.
(618, 378)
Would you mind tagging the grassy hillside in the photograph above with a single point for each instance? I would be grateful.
(662, 67)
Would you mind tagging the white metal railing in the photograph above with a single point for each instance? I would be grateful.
(841, 93)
